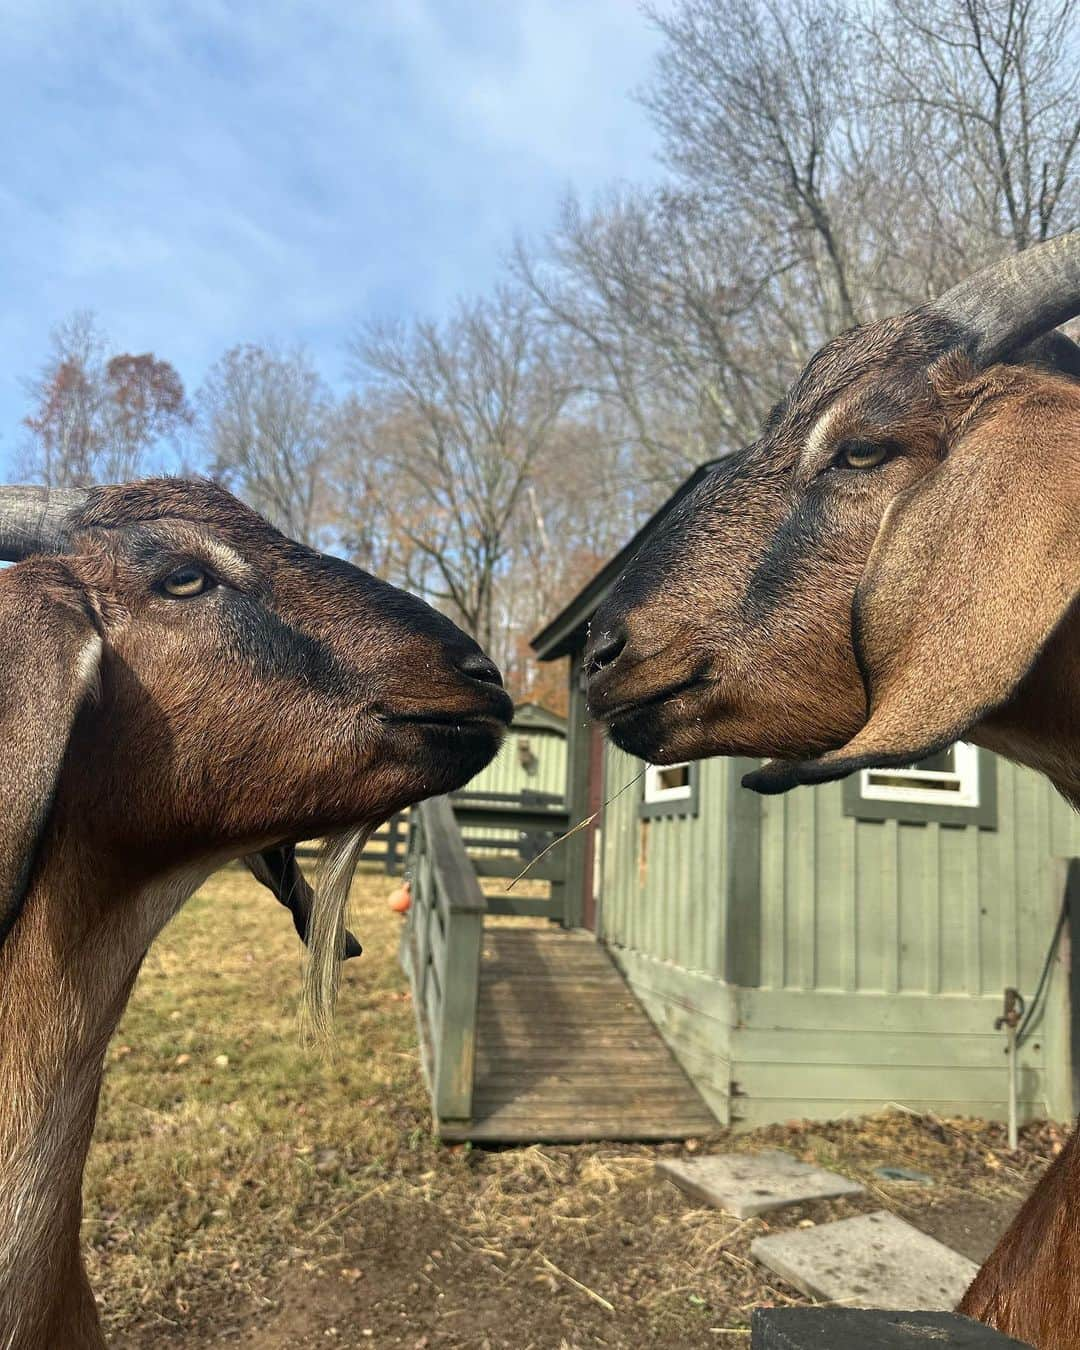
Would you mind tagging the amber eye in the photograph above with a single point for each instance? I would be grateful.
(862, 455)
(186, 582)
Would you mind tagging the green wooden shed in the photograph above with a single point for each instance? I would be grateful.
(532, 757)
(839, 948)
(530, 768)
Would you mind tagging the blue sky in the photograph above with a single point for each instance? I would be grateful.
(206, 172)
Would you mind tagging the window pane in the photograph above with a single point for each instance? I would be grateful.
(673, 776)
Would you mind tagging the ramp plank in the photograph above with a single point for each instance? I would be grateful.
(565, 1052)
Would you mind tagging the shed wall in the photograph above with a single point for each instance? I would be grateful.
(663, 913)
(505, 773)
(883, 947)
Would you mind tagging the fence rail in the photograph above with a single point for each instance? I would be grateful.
(527, 824)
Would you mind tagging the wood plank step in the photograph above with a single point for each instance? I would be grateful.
(508, 1130)
(620, 1021)
(587, 1086)
(637, 1061)
(617, 1103)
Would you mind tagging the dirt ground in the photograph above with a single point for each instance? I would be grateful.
(245, 1190)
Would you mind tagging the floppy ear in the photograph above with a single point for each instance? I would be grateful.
(972, 570)
(50, 653)
(280, 873)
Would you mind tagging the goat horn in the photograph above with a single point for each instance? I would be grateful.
(34, 519)
(1009, 303)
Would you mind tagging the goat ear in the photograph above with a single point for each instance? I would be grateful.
(280, 873)
(49, 663)
(972, 570)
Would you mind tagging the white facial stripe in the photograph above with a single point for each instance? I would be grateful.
(88, 668)
(818, 440)
(226, 559)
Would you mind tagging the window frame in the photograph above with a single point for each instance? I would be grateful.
(918, 803)
(670, 801)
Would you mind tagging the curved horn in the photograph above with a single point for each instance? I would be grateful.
(34, 519)
(1011, 302)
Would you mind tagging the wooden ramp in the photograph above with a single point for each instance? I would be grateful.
(564, 1051)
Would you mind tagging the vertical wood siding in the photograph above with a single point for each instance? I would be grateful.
(506, 774)
(884, 946)
(662, 883)
(883, 906)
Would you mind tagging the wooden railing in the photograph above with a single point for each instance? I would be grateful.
(441, 944)
(442, 938)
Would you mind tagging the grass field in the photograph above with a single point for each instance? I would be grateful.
(245, 1190)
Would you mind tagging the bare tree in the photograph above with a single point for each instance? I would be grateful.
(754, 101)
(96, 418)
(145, 404)
(265, 419)
(581, 505)
(457, 417)
(65, 425)
(827, 170)
(665, 315)
(698, 301)
(991, 91)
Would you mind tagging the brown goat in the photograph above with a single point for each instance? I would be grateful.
(893, 565)
(180, 685)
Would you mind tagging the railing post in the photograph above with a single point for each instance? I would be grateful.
(393, 834)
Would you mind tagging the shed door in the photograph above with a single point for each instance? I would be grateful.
(594, 799)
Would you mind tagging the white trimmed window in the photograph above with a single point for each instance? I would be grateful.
(668, 783)
(950, 777)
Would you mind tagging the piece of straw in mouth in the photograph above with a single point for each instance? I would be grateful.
(581, 825)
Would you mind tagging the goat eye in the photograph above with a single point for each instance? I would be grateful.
(186, 582)
(862, 455)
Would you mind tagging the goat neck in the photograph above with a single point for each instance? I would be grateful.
(65, 977)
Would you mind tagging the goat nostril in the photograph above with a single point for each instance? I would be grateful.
(480, 667)
(606, 647)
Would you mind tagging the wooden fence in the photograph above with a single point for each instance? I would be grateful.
(519, 826)
(504, 833)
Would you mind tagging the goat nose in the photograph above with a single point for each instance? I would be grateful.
(479, 667)
(605, 647)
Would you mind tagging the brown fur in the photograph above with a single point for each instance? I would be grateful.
(835, 618)
(146, 741)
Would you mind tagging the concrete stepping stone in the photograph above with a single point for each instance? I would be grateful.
(745, 1184)
(873, 1261)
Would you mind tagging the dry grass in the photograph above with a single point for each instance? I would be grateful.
(220, 1135)
(245, 1189)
